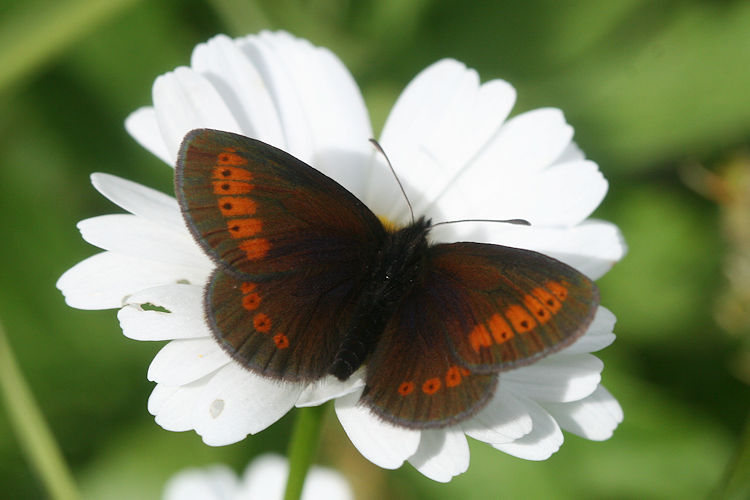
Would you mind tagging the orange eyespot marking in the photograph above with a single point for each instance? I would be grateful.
(248, 286)
(431, 386)
(558, 289)
(251, 301)
(232, 187)
(281, 341)
(406, 388)
(244, 228)
(541, 314)
(255, 248)
(227, 173)
(262, 323)
(547, 299)
(453, 376)
(230, 158)
(520, 318)
(500, 329)
(231, 206)
(479, 337)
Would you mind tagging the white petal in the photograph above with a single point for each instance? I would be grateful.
(144, 128)
(140, 200)
(598, 336)
(312, 91)
(442, 454)
(265, 478)
(105, 280)
(183, 319)
(571, 153)
(185, 100)
(563, 195)
(544, 439)
(440, 122)
(137, 237)
(186, 360)
(174, 408)
(381, 443)
(237, 402)
(595, 417)
(558, 378)
(504, 419)
(159, 397)
(217, 482)
(528, 142)
(329, 388)
(241, 86)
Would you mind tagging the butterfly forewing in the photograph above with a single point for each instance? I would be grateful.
(512, 306)
(258, 211)
(291, 245)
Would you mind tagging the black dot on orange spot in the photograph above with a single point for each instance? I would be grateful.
(281, 341)
(406, 388)
(431, 386)
(227, 206)
(525, 324)
(550, 302)
(225, 187)
(262, 323)
(226, 172)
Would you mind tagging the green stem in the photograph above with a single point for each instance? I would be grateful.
(34, 435)
(302, 448)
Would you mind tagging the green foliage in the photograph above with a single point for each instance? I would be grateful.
(649, 87)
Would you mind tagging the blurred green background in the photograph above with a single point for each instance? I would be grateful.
(659, 94)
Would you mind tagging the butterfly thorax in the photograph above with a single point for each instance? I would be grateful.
(395, 271)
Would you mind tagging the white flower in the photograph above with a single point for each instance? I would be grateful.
(458, 156)
(264, 479)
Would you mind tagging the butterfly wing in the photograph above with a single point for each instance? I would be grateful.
(291, 245)
(516, 306)
(258, 211)
(478, 310)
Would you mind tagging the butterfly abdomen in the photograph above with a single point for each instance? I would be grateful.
(397, 268)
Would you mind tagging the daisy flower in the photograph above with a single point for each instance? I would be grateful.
(264, 478)
(458, 155)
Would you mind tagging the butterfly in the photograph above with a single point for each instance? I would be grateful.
(310, 283)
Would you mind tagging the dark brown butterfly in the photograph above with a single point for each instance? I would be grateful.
(309, 283)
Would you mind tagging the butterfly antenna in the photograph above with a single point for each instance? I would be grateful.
(393, 171)
(517, 222)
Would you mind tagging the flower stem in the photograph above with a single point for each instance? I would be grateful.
(36, 439)
(302, 448)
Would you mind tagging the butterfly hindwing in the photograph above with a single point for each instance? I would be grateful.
(515, 306)
(286, 328)
(291, 246)
(413, 378)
